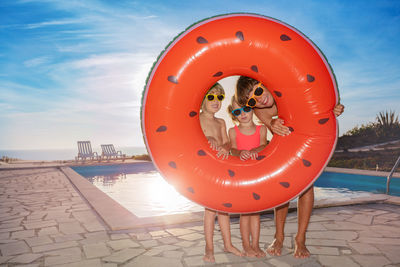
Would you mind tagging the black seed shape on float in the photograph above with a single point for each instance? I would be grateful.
(173, 79)
(201, 152)
(192, 113)
(306, 163)
(284, 37)
(256, 196)
(260, 157)
(310, 78)
(231, 173)
(323, 121)
(162, 128)
(219, 73)
(201, 40)
(254, 68)
(278, 94)
(240, 35)
(172, 164)
(285, 184)
(228, 205)
(190, 189)
(291, 129)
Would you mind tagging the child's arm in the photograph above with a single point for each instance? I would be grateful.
(206, 131)
(232, 137)
(275, 125)
(263, 140)
(242, 154)
(225, 139)
(213, 142)
(224, 148)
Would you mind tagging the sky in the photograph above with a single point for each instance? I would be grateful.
(75, 70)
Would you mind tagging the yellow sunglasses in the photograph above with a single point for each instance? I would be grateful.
(211, 97)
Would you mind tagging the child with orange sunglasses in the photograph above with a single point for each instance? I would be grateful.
(253, 93)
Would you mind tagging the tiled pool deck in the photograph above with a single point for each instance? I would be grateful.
(46, 221)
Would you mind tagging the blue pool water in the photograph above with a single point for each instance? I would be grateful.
(141, 189)
(112, 170)
(357, 182)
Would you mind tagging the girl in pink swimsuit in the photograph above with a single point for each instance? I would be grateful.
(247, 139)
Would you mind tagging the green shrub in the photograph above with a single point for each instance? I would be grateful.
(385, 128)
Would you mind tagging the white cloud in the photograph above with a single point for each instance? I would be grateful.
(103, 94)
(94, 76)
(52, 23)
(34, 62)
(106, 77)
(95, 94)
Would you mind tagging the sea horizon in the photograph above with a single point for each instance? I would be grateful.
(61, 153)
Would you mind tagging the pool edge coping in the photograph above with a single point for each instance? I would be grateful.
(113, 214)
(362, 172)
(117, 217)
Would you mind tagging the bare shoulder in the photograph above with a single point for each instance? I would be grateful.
(221, 122)
(202, 120)
(232, 132)
(263, 128)
(263, 131)
(201, 117)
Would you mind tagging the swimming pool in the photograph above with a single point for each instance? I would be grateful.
(141, 189)
(357, 182)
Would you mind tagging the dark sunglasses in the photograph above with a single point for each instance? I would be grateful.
(252, 100)
(238, 111)
(211, 97)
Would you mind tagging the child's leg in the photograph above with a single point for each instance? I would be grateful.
(255, 234)
(280, 214)
(245, 233)
(224, 224)
(304, 208)
(209, 221)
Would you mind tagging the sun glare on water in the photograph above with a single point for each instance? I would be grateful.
(145, 194)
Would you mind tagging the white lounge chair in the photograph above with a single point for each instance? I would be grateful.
(108, 152)
(85, 151)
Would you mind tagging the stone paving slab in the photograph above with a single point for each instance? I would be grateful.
(44, 221)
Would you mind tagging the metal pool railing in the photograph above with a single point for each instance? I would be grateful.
(391, 174)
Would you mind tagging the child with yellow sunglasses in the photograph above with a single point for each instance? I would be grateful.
(215, 131)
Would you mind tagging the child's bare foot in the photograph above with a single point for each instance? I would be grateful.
(209, 256)
(275, 249)
(300, 249)
(259, 252)
(232, 249)
(249, 252)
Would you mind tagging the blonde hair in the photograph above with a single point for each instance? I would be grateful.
(218, 90)
(230, 109)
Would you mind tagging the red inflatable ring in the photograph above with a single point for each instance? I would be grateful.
(288, 64)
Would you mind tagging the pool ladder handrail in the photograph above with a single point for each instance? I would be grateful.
(391, 174)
